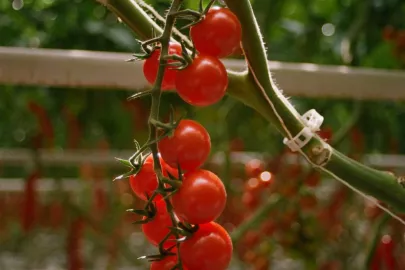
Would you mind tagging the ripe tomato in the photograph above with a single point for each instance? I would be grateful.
(210, 248)
(203, 82)
(200, 199)
(145, 181)
(157, 228)
(168, 263)
(219, 34)
(189, 146)
(151, 66)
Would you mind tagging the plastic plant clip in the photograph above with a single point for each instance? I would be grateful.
(313, 120)
(300, 140)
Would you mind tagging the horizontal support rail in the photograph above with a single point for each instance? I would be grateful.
(91, 69)
(14, 156)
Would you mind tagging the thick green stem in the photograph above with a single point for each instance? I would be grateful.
(284, 116)
(130, 12)
(256, 89)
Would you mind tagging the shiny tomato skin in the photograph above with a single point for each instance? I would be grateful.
(203, 82)
(151, 66)
(189, 146)
(157, 228)
(168, 263)
(210, 248)
(201, 197)
(146, 181)
(219, 34)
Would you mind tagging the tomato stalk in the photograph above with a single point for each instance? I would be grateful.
(155, 126)
(154, 113)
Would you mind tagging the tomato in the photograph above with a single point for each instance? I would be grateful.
(210, 248)
(189, 146)
(387, 246)
(203, 82)
(219, 34)
(200, 199)
(145, 181)
(151, 67)
(168, 263)
(157, 228)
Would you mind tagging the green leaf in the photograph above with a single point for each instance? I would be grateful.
(124, 161)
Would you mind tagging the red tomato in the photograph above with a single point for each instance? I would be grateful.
(210, 248)
(189, 146)
(151, 67)
(219, 34)
(145, 181)
(157, 228)
(201, 198)
(387, 246)
(203, 82)
(168, 263)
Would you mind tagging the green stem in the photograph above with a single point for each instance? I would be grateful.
(256, 89)
(131, 13)
(381, 185)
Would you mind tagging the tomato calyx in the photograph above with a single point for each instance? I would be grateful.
(158, 257)
(148, 213)
(186, 229)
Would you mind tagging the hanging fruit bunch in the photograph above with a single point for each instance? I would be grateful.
(183, 201)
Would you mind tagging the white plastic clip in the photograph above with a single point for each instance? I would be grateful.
(300, 140)
(313, 120)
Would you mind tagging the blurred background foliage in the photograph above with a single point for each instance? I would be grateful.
(336, 32)
(359, 33)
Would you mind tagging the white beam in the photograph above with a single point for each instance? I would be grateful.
(75, 68)
(15, 156)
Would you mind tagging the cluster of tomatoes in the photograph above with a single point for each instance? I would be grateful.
(204, 81)
(201, 197)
